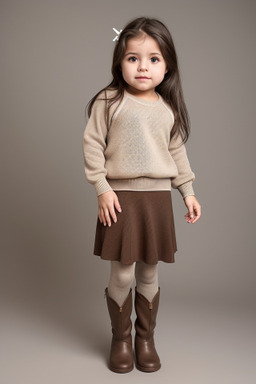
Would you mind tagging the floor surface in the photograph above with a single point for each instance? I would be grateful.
(197, 343)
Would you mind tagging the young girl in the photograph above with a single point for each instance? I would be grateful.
(134, 155)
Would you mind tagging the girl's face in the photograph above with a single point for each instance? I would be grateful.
(143, 66)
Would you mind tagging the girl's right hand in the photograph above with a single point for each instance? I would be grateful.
(107, 202)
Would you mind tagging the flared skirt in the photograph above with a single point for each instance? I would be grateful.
(144, 231)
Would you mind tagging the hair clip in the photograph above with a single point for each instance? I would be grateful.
(118, 33)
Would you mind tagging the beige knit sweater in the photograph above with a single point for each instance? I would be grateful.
(136, 152)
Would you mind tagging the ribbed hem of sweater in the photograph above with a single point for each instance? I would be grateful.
(150, 184)
(141, 184)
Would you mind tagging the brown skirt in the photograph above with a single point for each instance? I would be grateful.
(144, 230)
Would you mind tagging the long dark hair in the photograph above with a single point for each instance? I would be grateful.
(170, 88)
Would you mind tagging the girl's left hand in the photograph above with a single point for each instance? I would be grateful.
(194, 209)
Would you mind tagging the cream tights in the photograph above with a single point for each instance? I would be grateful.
(122, 277)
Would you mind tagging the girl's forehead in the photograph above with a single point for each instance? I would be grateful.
(142, 43)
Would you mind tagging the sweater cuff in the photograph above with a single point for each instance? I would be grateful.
(102, 186)
(186, 189)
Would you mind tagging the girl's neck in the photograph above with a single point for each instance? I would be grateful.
(152, 96)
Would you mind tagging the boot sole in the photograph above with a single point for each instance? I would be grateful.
(126, 370)
(147, 370)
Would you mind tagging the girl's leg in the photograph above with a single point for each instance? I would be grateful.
(146, 279)
(121, 279)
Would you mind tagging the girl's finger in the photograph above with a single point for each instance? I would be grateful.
(103, 220)
(113, 214)
(107, 217)
(99, 216)
(117, 204)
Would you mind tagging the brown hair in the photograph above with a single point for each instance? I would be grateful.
(170, 88)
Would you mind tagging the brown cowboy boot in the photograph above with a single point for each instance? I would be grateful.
(121, 355)
(147, 358)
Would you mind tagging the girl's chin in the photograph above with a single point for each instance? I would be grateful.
(141, 88)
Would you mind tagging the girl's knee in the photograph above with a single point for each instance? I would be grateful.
(146, 273)
(122, 274)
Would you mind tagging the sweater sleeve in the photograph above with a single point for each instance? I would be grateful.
(94, 145)
(183, 181)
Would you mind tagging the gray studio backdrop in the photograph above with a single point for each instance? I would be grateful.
(55, 55)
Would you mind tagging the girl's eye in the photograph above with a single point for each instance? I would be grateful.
(132, 59)
(154, 59)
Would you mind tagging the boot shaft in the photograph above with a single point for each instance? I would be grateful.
(146, 315)
(147, 359)
(120, 316)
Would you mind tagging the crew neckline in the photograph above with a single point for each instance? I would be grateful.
(143, 101)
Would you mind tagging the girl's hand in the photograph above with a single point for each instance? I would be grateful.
(194, 209)
(107, 202)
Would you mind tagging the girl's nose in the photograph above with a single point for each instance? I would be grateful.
(142, 66)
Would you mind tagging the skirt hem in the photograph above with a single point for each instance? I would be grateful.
(135, 260)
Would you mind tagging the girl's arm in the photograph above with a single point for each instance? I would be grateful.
(183, 181)
(94, 145)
